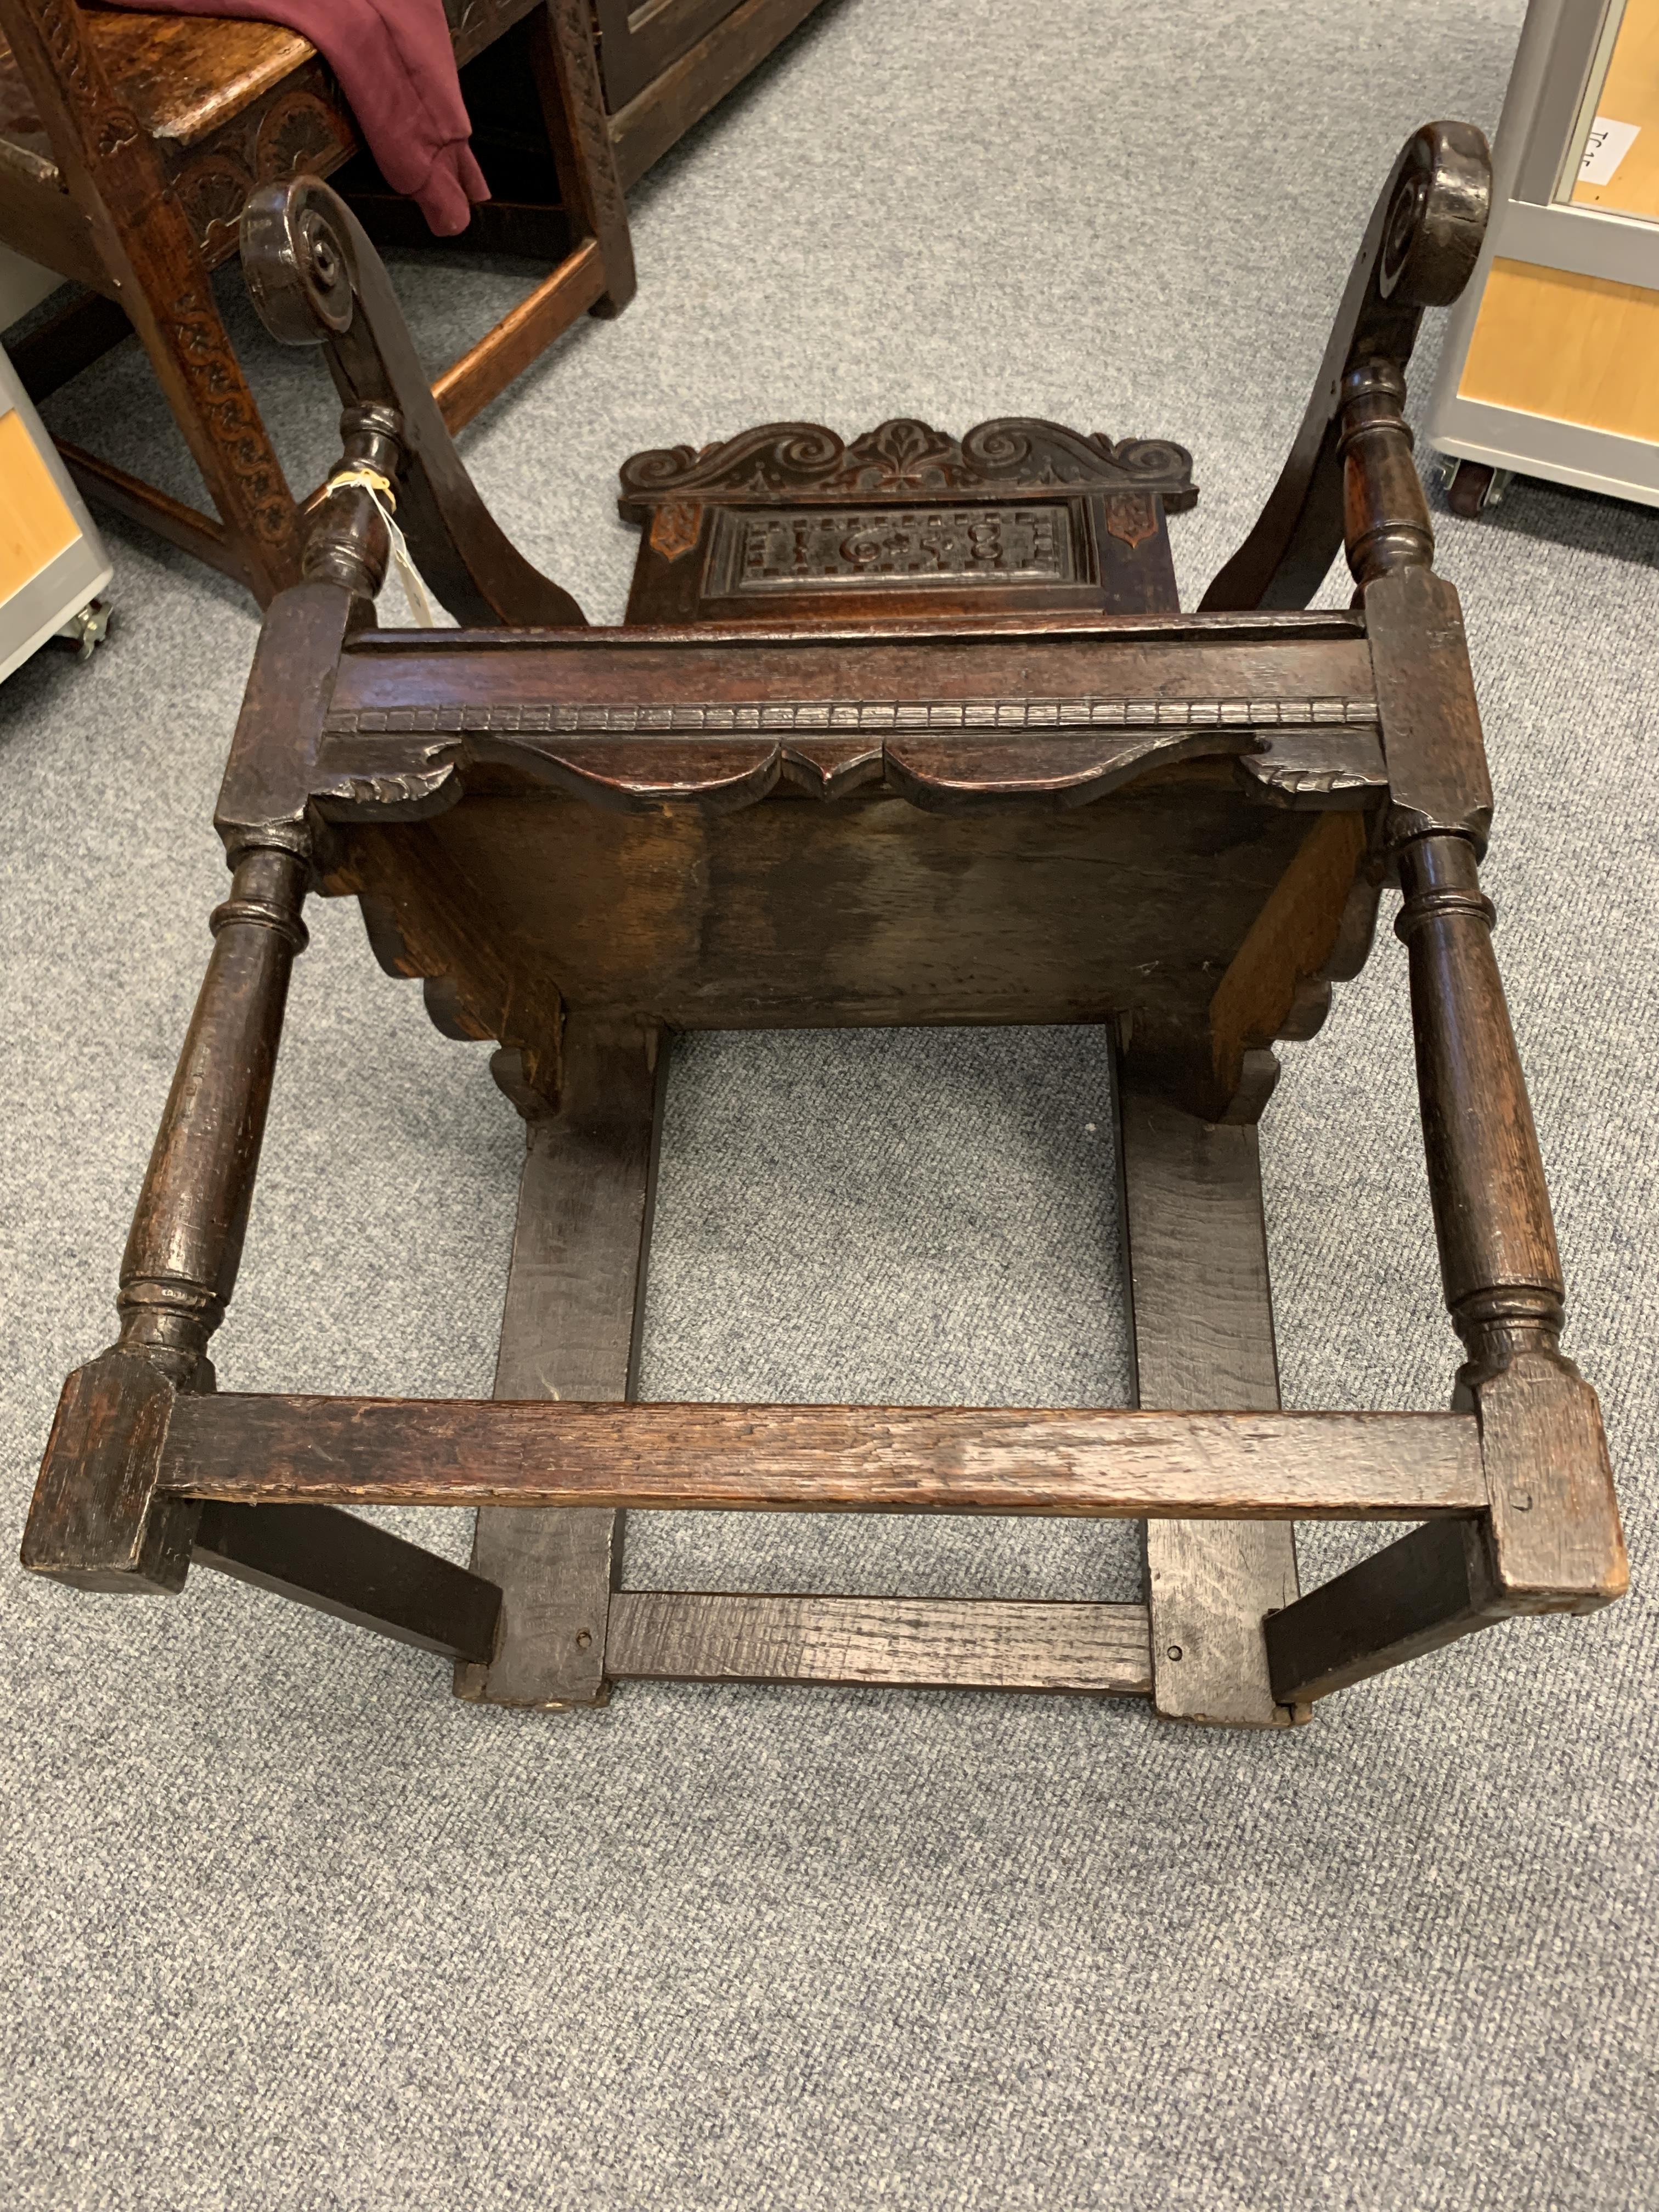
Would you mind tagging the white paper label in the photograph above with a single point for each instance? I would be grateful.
(1605, 148)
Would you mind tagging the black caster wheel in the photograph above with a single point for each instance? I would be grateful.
(1469, 487)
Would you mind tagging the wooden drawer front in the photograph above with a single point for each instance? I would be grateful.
(638, 41)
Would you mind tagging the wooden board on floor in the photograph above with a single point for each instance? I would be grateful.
(916, 1643)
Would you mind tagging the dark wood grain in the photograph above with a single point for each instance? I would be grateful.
(265, 792)
(1277, 983)
(185, 1244)
(570, 1329)
(945, 1643)
(688, 914)
(1550, 1542)
(334, 1563)
(871, 912)
(1202, 1312)
(1556, 1542)
(637, 44)
(418, 668)
(567, 76)
(316, 280)
(1094, 1465)
(1437, 758)
(96, 1520)
(716, 757)
(1498, 1255)
(683, 93)
(1416, 1596)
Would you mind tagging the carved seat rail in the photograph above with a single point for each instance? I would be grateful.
(1177, 826)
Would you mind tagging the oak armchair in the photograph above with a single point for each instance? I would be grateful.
(1014, 803)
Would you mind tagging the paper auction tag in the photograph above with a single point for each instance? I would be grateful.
(1605, 148)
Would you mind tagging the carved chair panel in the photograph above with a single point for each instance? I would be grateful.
(790, 521)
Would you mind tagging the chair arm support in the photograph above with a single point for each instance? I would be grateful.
(1419, 252)
(316, 280)
(1553, 1528)
(185, 1244)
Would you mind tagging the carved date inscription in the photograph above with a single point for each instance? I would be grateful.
(771, 550)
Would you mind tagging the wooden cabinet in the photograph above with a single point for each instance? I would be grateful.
(638, 43)
(666, 62)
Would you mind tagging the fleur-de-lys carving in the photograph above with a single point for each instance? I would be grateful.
(903, 455)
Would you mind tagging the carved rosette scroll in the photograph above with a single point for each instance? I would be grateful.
(302, 129)
(905, 459)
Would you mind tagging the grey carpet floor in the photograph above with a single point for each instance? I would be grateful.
(283, 1925)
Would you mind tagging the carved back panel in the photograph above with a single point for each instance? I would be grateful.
(788, 522)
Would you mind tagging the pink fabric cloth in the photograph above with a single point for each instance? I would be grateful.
(397, 69)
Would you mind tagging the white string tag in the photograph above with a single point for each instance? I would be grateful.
(378, 488)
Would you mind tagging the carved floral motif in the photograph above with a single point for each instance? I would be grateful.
(675, 528)
(298, 131)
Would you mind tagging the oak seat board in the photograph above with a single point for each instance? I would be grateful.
(1090, 1464)
(869, 911)
(987, 1644)
(1067, 713)
(1172, 657)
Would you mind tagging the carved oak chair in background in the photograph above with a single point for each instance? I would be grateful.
(130, 144)
(897, 760)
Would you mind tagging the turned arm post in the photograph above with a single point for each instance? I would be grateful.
(1550, 1540)
(1554, 1542)
(182, 1255)
(1491, 1211)
(97, 1520)
(100, 1518)
(186, 1245)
